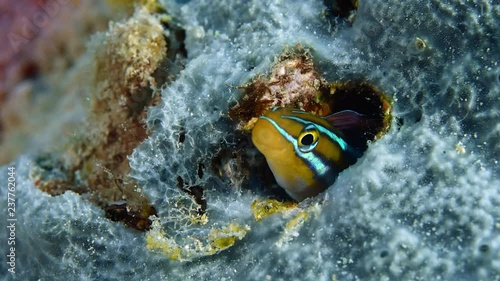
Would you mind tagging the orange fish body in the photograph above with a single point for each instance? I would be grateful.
(304, 151)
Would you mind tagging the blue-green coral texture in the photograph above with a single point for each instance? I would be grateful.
(421, 204)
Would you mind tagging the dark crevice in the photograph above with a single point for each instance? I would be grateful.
(365, 99)
(345, 9)
(133, 219)
(196, 192)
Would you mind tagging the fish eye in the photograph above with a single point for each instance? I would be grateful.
(308, 139)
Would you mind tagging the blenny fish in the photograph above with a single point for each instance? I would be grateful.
(306, 152)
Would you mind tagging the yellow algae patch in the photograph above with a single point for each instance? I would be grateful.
(199, 219)
(294, 225)
(153, 6)
(417, 46)
(165, 245)
(267, 207)
(460, 148)
(297, 221)
(225, 237)
(190, 248)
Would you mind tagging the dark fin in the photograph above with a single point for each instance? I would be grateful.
(356, 128)
(346, 119)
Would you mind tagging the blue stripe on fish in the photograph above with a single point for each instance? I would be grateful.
(331, 135)
(315, 163)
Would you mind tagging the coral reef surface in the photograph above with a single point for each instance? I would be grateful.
(420, 204)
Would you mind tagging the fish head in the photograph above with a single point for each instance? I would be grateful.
(273, 135)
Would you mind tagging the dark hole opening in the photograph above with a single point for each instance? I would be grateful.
(384, 254)
(364, 99)
(484, 248)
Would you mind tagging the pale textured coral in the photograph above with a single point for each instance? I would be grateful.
(411, 208)
(123, 60)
